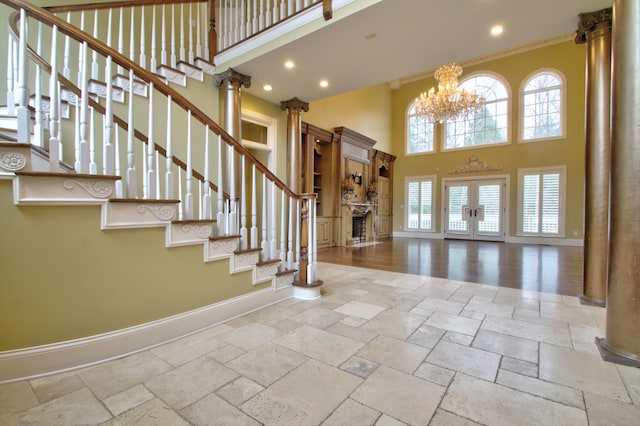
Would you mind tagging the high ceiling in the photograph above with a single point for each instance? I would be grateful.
(395, 40)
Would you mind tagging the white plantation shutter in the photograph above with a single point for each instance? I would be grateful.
(458, 198)
(419, 204)
(489, 199)
(541, 201)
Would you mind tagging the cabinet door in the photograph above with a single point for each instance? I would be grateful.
(323, 227)
(384, 226)
(384, 209)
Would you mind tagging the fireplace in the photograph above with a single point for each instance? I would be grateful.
(358, 229)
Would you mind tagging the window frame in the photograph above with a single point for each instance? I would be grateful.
(563, 106)
(407, 126)
(509, 117)
(540, 171)
(419, 179)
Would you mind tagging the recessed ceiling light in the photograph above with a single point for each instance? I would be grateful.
(496, 30)
(289, 64)
(370, 36)
(324, 83)
(267, 88)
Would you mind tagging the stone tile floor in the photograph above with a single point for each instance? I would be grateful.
(379, 348)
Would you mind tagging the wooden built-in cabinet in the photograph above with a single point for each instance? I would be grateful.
(328, 158)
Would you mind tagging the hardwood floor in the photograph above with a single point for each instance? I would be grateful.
(550, 269)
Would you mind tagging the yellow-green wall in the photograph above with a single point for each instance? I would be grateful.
(566, 57)
(367, 111)
(63, 278)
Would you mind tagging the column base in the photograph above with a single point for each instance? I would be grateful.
(610, 355)
(586, 300)
(307, 291)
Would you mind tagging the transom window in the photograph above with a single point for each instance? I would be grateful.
(488, 125)
(542, 106)
(419, 132)
(419, 202)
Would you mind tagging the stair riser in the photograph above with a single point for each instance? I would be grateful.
(244, 261)
(137, 215)
(220, 249)
(184, 234)
(61, 190)
(263, 273)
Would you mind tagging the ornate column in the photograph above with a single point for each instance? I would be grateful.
(622, 341)
(294, 107)
(594, 29)
(233, 82)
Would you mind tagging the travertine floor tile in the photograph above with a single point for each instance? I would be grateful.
(488, 403)
(444, 418)
(16, 397)
(267, 363)
(190, 382)
(519, 366)
(568, 313)
(435, 374)
(302, 397)
(504, 344)
(427, 336)
(116, 376)
(79, 407)
(151, 413)
(251, 335)
(239, 391)
(360, 310)
(399, 395)
(352, 332)
(548, 390)
(454, 323)
(604, 411)
(319, 317)
(581, 370)
(359, 366)
(394, 353)
(52, 387)
(474, 362)
(529, 330)
(351, 413)
(439, 305)
(319, 344)
(213, 410)
(131, 398)
(395, 324)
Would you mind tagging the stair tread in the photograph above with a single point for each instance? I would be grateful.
(285, 272)
(268, 262)
(224, 237)
(251, 250)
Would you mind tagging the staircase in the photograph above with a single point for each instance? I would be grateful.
(82, 144)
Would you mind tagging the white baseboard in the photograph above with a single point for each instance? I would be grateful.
(43, 360)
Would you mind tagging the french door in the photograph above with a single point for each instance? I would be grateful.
(475, 209)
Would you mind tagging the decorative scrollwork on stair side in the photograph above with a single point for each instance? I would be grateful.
(13, 161)
(98, 189)
(201, 231)
(159, 211)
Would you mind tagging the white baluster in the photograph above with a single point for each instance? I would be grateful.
(264, 245)
(296, 263)
(205, 25)
(66, 71)
(132, 184)
(220, 215)
(151, 150)
(80, 52)
(54, 122)
(290, 260)
(182, 48)
(242, 23)
(94, 54)
(154, 63)
(198, 31)
(254, 18)
(189, 176)
(254, 209)
(237, 24)
(109, 154)
(173, 37)
(272, 221)
(119, 190)
(11, 99)
(243, 204)
(169, 183)
(121, 44)
(163, 37)
(143, 46)
(38, 136)
(309, 241)
(109, 31)
(261, 18)
(182, 208)
(93, 166)
(22, 110)
(132, 52)
(314, 243)
(206, 201)
(191, 44)
(157, 181)
(84, 108)
(283, 230)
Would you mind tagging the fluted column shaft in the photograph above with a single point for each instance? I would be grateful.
(594, 29)
(622, 342)
(233, 82)
(294, 107)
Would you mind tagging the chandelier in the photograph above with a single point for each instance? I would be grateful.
(449, 103)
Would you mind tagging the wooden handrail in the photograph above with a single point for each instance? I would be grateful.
(115, 4)
(49, 19)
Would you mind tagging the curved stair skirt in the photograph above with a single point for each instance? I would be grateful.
(59, 357)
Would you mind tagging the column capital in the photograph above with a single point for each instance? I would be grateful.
(590, 20)
(294, 104)
(232, 77)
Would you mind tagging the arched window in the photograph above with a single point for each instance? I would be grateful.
(488, 125)
(542, 106)
(419, 132)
